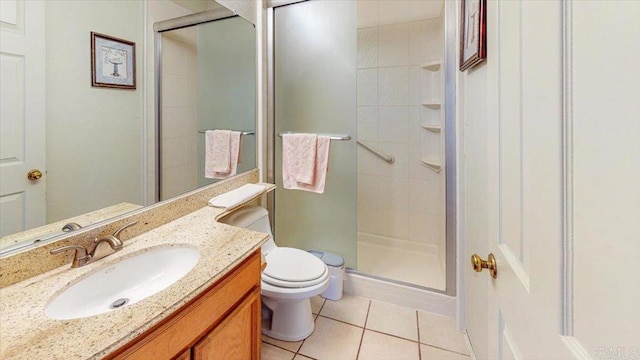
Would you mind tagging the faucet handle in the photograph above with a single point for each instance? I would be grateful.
(79, 259)
(123, 228)
(71, 227)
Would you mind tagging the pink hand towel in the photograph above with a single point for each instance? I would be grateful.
(217, 151)
(320, 169)
(299, 153)
(214, 154)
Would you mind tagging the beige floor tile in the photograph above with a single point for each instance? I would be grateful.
(442, 332)
(393, 319)
(332, 340)
(376, 346)
(289, 345)
(316, 303)
(301, 357)
(431, 353)
(351, 309)
(270, 352)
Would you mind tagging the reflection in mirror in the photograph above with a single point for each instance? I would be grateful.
(207, 83)
(89, 143)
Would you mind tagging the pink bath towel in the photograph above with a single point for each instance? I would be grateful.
(319, 163)
(222, 151)
(299, 153)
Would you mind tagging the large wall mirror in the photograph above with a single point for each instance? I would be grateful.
(207, 82)
(98, 148)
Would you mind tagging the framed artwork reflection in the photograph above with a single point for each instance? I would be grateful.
(473, 33)
(113, 62)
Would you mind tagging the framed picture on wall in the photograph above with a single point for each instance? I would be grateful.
(473, 33)
(113, 62)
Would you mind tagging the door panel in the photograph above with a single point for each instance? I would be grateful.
(315, 92)
(530, 181)
(565, 195)
(22, 115)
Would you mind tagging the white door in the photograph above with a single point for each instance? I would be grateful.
(22, 114)
(552, 181)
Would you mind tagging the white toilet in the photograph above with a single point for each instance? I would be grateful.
(291, 278)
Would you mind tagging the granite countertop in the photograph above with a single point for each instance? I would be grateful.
(27, 333)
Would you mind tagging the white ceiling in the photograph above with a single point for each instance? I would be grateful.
(197, 5)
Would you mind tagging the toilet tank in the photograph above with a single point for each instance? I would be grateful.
(249, 217)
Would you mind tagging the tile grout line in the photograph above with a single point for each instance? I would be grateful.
(279, 347)
(372, 330)
(395, 336)
(364, 327)
(340, 321)
(418, 328)
(444, 349)
(324, 301)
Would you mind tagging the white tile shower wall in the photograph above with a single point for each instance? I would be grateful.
(405, 200)
(156, 11)
(179, 116)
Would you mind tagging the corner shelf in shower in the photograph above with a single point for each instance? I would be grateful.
(432, 115)
(432, 128)
(431, 165)
(433, 65)
(435, 105)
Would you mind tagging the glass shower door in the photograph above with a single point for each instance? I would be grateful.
(315, 92)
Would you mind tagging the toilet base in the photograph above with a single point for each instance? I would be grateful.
(291, 320)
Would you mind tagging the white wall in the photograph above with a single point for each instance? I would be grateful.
(93, 134)
(404, 200)
(605, 176)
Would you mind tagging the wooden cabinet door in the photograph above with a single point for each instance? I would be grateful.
(186, 355)
(236, 337)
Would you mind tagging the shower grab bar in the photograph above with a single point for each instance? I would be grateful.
(388, 158)
(340, 137)
(241, 132)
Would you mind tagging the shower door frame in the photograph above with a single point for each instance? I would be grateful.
(449, 61)
(159, 28)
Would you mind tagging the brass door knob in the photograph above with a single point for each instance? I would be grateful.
(479, 264)
(34, 174)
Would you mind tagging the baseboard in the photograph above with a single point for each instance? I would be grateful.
(469, 346)
(421, 299)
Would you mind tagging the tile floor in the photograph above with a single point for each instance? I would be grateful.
(358, 328)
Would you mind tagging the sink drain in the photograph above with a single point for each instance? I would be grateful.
(119, 303)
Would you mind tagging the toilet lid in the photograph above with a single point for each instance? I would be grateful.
(292, 265)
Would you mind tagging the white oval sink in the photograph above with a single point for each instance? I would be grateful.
(124, 283)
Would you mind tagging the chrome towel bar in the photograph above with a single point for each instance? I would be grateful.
(241, 132)
(340, 137)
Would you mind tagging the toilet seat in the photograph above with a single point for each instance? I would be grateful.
(293, 268)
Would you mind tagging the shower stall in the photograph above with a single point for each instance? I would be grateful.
(374, 71)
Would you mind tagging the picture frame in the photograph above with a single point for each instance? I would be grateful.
(473, 33)
(113, 62)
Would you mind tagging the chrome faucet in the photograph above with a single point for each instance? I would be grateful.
(83, 257)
